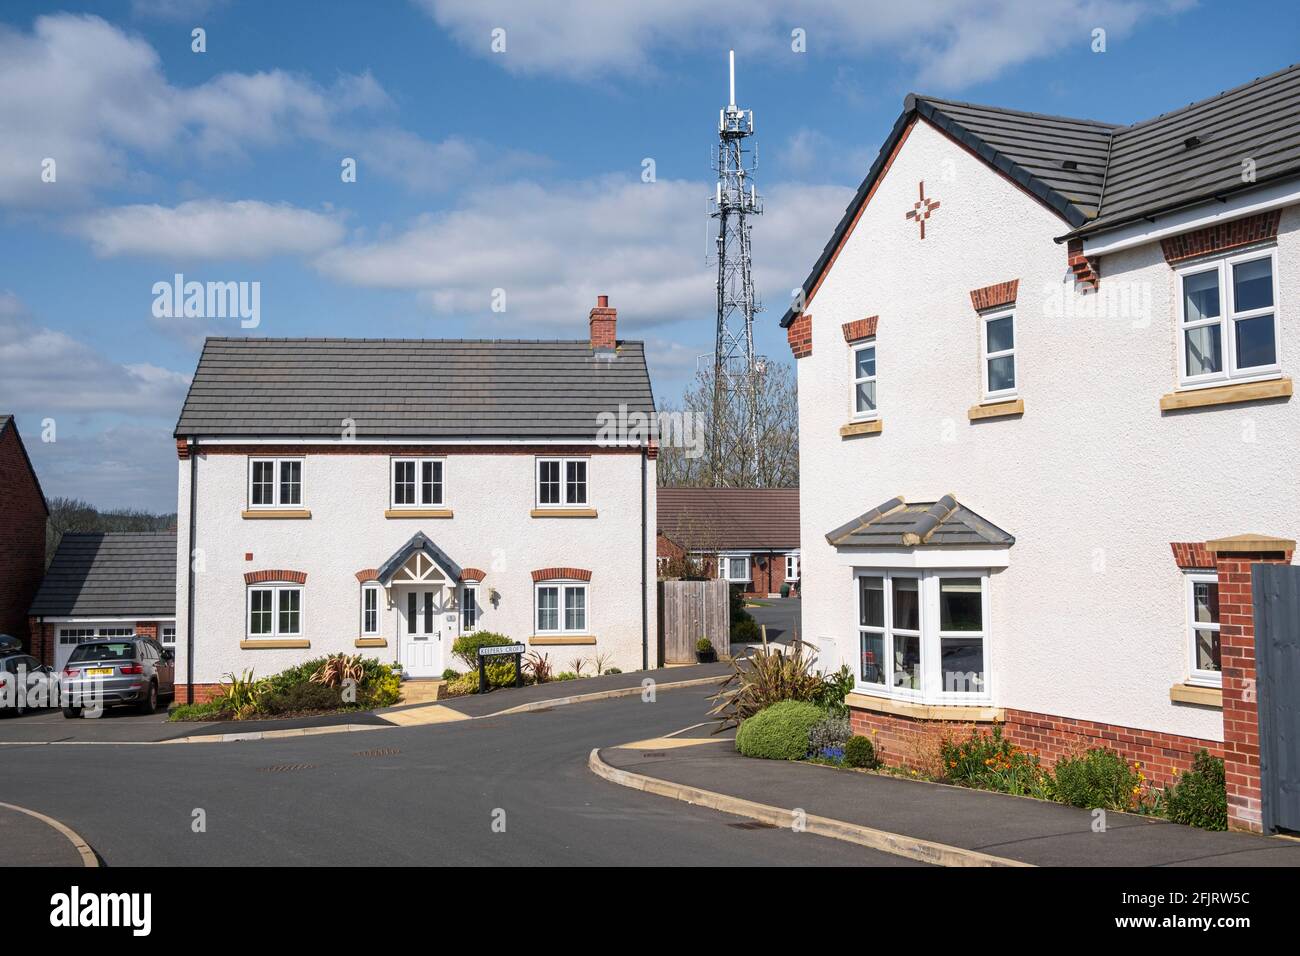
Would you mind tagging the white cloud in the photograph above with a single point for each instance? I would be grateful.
(950, 43)
(209, 229)
(174, 10)
(554, 249)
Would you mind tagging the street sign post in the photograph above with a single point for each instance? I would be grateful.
(501, 650)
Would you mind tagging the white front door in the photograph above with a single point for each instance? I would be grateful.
(422, 627)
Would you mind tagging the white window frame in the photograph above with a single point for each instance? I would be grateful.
(855, 381)
(275, 633)
(420, 500)
(469, 600)
(276, 465)
(1228, 316)
(565, 484)
(372, 587)
(724, 566)
(931, 688)
(792, 566)
(1195, 675)
(162, 635)
(986, 356)
(562, 588)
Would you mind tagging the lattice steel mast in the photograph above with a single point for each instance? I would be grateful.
(737, 371)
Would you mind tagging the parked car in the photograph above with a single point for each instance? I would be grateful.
(18, 667)
(135, 671)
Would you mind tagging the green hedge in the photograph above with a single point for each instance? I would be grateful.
(1200, 798)
(779, 732)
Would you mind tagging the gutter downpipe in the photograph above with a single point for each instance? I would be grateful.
(189, 563)
(645, 606)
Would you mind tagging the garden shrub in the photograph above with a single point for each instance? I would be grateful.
(834, 688)
(205, 711)
(1200, 798)
(450, 674)
(466, 646)
(988, 761)
(300, 698)
(745, 631)
(1100, 778)
(860, 752)
(779, 732)
(828, 738)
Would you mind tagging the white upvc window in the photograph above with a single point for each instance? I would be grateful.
(168, 634)
(75, 635)
(275, 483)
(562, 608)
(561, 482)
(998, 355)
(862, 371)
(923, 635)
(416, 483)
(274, 610)
(371, 602)
(469, 608)
(792, 567)
(734, 568)
(1227, 320)
(1203, 629)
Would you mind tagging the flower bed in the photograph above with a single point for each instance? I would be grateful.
(325, 685)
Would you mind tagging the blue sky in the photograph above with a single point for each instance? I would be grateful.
(476, 170)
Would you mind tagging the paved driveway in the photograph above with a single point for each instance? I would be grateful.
(781, 615)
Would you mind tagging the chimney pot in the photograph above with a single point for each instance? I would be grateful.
(602, 301)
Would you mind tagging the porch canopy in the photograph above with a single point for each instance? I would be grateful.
(418, 546)
(926, 524)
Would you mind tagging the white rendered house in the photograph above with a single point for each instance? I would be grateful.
(385, 496)
(1044, 376)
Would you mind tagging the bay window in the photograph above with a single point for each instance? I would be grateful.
(922, 634)
(1227, 316)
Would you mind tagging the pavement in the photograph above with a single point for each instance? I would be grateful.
(28, 838)
(1017, 829)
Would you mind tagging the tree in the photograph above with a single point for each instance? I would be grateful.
(777, 416)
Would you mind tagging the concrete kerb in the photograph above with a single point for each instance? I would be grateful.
(88, 858)
(241, 737)
(897, 844)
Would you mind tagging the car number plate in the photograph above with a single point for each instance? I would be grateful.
(99, 672)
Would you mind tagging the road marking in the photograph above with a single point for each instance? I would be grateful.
(88, 857)
(896, 844)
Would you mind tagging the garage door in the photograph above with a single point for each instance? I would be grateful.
(68, 636)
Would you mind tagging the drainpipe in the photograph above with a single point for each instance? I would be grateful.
(189, 564)
(645, 606)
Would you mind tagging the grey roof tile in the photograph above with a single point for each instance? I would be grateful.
(110, 574)
(431, 388)
(927, 524)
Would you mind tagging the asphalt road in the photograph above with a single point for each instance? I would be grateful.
(424, 795)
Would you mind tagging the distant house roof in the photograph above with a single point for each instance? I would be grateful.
(6, 423)
(713, 519)
(393, 388)
(925, 524)
(110, 574)
(1097, 175)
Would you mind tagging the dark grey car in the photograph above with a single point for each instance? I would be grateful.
(16, 669)
(131, 670)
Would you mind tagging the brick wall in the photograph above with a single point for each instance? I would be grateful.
(202, 693)
(22, 535)
(907, 742)
(799, 335)
(1221, 237)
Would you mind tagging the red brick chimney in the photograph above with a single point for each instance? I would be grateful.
(604, 322)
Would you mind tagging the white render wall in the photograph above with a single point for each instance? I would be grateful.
(1089, 620)
(490, 496)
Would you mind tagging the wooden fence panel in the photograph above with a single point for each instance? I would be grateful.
(689, 610)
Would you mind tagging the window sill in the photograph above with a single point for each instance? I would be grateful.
(371, 642)
(1196, 694)
(1225, 395)
(996, 410)
(861, 428)
(553, 640)
(563, 512)
(417, 513)
(965, 713)
(272, 513)
(266, 644)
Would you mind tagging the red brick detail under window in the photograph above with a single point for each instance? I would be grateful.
(368, 574)
(561, 574)
(860, 329)
(1191, 555)
(473, 574)
(1221, 237)
(800, 336)
(1087, 271)
(913, 743)
(995, 296)
(182, 449)
(257, 577)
